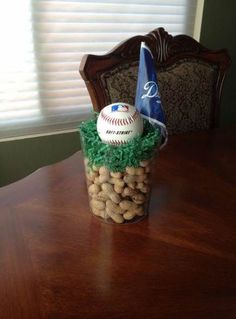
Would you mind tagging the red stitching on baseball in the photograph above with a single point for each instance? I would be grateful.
(135, 115)
(130, 119)
(114, 142)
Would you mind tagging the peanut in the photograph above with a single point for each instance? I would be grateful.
(117, 181)
(147, 180)
(93, 189)
(123, 194)
(138, 198)
(104, 171)
(98, 212)
(132, 185)
(129, 179)
(88, 182)
(97, 204)
(127, 205)
(111, 206)
(91, 176)
(129, 192)
(135, 178)
(129, 215)
(115, 217)
(145, 189)
(131, 170)
(114, 197)
(104, 178)
(118, 189)
(139, 211)
(102, 196)
(141, 178)
(116, 174)
(140, 185)
(140, 171)
(96, 181)
(106, 187)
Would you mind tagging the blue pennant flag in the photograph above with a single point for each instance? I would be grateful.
(148, 100)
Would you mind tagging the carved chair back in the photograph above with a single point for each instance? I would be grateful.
(190, 78)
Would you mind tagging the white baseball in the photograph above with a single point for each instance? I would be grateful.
(118, 123)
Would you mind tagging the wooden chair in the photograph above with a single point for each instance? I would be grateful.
(190, 78)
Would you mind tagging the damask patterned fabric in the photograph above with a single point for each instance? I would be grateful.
(186, 90)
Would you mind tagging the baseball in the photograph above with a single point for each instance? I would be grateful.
(118, 123)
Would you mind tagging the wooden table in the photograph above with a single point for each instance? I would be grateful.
(58, 261)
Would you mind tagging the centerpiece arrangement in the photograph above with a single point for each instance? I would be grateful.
(119, 145)
(118, 165)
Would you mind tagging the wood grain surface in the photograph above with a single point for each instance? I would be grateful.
(58, 261)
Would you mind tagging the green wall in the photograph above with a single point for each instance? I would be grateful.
(218, 31)
(21, 157)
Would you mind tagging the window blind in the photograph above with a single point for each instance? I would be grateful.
(43, 42)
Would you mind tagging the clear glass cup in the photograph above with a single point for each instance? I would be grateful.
(119, 197)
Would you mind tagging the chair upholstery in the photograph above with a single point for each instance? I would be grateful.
(190, 78)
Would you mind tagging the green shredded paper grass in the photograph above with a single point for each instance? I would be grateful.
(117, 158)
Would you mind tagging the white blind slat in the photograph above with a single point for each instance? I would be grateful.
(111, 7)
(134, 28)
(61, 85)
(114, 18)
